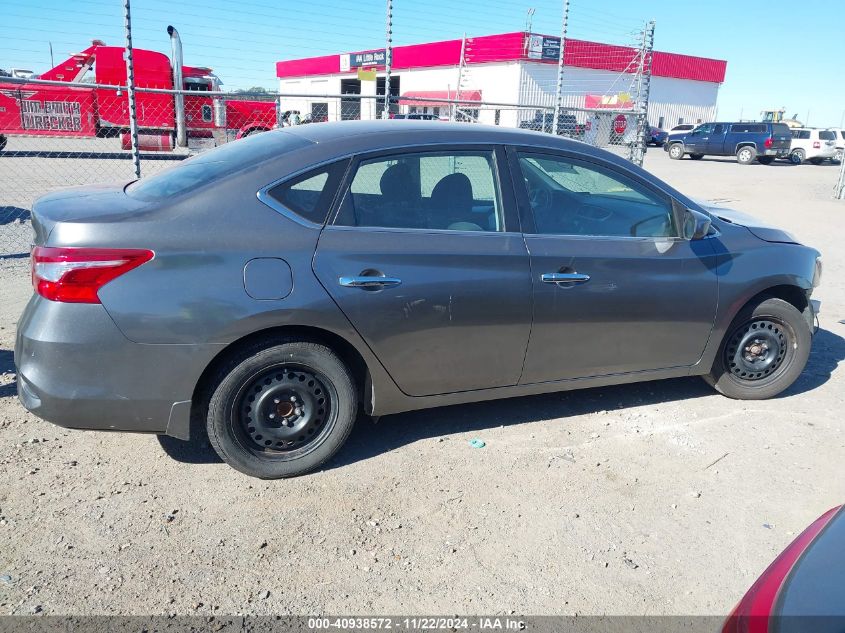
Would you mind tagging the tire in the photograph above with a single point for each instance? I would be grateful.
(676, 151)
(746, 155)
(765, 160)
(696, 156)
(797, 156)
(303, 386)
(786, 340)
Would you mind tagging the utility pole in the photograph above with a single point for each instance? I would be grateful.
(388, 59)
(130, 89)
(559, 90)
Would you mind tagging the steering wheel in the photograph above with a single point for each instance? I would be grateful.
(591, 212)
(539, 198)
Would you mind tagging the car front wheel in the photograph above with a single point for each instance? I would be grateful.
(676, 151)
(281, 408)
(763, 352)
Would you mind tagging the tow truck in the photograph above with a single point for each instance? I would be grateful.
(165, 120)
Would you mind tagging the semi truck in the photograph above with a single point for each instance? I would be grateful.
(165, 120)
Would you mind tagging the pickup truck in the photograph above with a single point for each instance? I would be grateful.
(762, 142)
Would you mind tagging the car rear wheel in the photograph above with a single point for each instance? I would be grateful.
(281, 408)
(797, 156)
(746, 155)
(676, 151)
(763, 352)
(765, 160)
(696, 156)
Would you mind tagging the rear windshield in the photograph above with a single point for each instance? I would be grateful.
(214, 164)
(781, 129)
(827, 135)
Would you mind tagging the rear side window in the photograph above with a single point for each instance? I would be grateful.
(748, 128)
(455, 191)
(827, 135)
(310, 195)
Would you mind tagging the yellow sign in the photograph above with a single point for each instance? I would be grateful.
(366, 75)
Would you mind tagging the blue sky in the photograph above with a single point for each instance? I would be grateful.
(242, 40)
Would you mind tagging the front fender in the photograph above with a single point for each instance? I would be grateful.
(249, 128)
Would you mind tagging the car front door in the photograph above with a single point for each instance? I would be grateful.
(616, 289)
(695, 142)
(716, 141)
(425, 258)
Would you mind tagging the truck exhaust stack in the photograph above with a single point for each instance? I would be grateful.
(178, 84)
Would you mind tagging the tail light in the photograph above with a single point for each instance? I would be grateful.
(768, 142)
(755, 610)
(816, 144)
(75, 275)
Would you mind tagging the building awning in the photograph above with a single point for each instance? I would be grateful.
(418, 97)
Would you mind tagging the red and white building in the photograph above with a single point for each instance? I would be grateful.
(497, 70)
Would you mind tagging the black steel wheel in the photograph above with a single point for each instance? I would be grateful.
(285, 410)
(757, 349)
(764, 351)
(281, 408)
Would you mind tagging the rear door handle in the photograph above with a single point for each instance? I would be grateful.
(564, 278)
(372, 283)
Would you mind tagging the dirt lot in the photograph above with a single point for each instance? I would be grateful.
(657, 498)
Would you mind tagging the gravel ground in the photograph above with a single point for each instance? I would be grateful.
(656, 498)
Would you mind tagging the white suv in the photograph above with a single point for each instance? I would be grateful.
(812, 145)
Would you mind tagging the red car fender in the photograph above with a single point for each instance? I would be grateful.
(249, 128)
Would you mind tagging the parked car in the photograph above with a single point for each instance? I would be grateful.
(747, 141)
(840, 144)
(657, 136)
(2, 142)
(416, 116)
(274, 285)
(567, 124)
(814, 146)
(683, 127)
(803, 589)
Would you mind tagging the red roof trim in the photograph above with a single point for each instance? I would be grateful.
(509, 47)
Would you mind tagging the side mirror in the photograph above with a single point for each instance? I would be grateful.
(696, 225)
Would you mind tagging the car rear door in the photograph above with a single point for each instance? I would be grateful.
(615, 288)
(425, 258)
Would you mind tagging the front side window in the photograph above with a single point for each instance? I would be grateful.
(310, 195)
(453, 190)
(571, 197)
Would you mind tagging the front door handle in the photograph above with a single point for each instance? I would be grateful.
(564, 278)
(371, 283)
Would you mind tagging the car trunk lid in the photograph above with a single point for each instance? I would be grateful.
(781, 136)
(82, 205)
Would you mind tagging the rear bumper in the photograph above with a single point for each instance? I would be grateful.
(77, 370)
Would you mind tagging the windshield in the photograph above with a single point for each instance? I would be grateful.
(213, 165)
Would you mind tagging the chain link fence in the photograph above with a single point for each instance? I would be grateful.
(62, 129)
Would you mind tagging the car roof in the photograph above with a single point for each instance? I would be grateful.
(365, 136)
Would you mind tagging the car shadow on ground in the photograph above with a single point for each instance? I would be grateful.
(369, 439)
(7, 366)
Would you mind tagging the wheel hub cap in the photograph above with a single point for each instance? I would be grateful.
(284, 410)
(756, 350)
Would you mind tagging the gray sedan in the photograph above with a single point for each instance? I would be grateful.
(274, 288)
